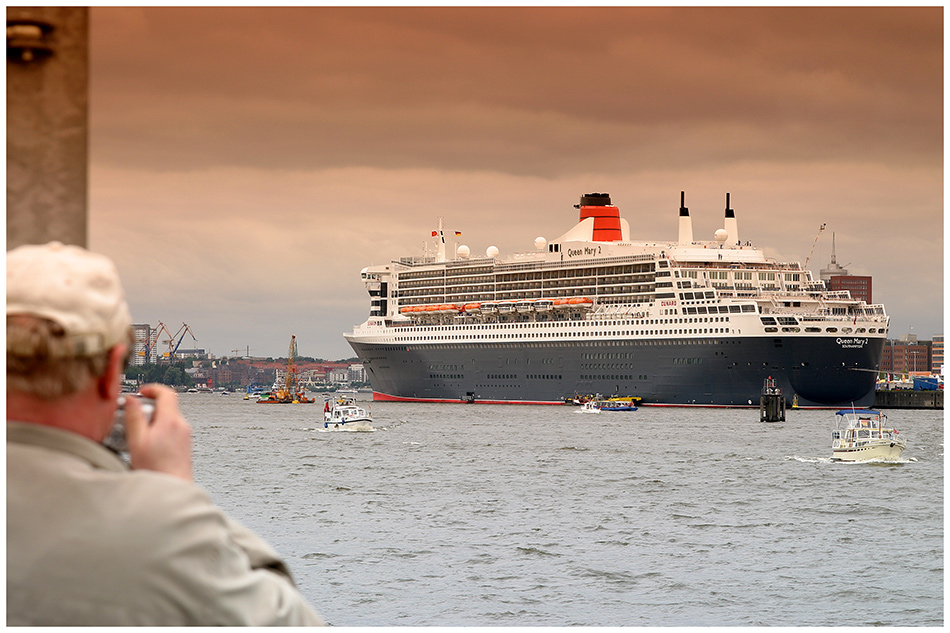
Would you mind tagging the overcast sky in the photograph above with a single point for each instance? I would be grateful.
(246, 163)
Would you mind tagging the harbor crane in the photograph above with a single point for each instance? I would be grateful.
(152, 340)
(170, 354)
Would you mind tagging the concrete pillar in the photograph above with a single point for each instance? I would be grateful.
(47, 124)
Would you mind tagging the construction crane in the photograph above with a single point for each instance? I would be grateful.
(150, 342)
(170, 354)
(290, 391)
(246, 350)
(814, 244)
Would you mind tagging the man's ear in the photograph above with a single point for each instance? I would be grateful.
(110, 382)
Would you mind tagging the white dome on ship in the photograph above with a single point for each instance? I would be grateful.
(463, 251)
(721, 235)
(491, 251)
(540, 243)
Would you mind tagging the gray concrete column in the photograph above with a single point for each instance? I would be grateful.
(47, 124)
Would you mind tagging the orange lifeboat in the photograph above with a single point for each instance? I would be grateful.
(473, 307)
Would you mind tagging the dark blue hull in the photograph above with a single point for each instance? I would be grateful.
(728, 371)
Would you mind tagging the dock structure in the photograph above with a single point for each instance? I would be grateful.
(908, 399)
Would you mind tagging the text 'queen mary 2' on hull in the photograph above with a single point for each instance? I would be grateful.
(686, 322)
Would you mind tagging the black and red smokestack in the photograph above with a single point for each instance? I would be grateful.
(606, 217)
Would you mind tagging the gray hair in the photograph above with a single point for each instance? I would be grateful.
(44, 362)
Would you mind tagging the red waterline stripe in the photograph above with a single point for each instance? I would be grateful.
(383, 397)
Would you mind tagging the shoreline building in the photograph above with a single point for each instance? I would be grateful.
(907, 356)
(836, 277)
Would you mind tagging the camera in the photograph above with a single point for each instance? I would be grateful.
(116, 439)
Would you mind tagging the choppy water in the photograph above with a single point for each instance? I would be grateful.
(456, 515)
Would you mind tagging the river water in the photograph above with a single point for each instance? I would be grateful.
(508, 515)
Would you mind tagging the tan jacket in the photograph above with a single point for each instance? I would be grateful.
(90, 542)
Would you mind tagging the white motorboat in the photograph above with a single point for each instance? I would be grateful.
(591, 406)
(863, 435)
(345, 414)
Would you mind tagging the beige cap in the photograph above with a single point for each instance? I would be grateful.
(76, 288)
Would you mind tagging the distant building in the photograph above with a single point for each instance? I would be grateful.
(859, 286)
(141, 334)
(837, 278)
(936, 355)
(190, 353)
(907, 356)
(833, 269)
(355, 373)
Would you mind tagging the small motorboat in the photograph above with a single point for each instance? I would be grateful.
(590, 407)
(346, 415)
(617, 405)
(862, 435)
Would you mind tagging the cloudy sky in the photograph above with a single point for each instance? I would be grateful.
(246, 163)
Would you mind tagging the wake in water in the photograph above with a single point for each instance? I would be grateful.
(828, 460)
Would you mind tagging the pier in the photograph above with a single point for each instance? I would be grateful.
(908, 399)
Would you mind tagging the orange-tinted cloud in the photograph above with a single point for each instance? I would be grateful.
(274, 152)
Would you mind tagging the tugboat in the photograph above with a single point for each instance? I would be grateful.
(860, 435)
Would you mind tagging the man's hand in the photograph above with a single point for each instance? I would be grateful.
(164, 445)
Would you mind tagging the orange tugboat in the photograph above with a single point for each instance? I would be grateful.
(290, 392)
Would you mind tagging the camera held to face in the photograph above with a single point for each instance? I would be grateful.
(116, 440)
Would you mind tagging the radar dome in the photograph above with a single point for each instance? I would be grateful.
(721, 235)
(491, 251)
(540, 243)
(463, 251)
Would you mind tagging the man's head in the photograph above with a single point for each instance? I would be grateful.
(66, 311)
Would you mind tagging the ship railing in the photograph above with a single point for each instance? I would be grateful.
(832, 318)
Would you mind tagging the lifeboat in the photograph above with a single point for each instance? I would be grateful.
(406, 309)
(473, 307)
(581, 302)
(562, 303)
(506, 306)
(489, 306)
(543, 305)
(524, 306)
(431, 309)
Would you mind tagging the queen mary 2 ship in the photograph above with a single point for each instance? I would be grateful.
(685, 322)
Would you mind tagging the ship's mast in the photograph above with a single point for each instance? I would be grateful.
(440, 257)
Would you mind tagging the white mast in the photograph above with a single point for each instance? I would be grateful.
(441, 255)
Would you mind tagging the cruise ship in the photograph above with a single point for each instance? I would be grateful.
(676, 323)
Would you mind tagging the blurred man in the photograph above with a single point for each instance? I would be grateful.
(91, 541)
